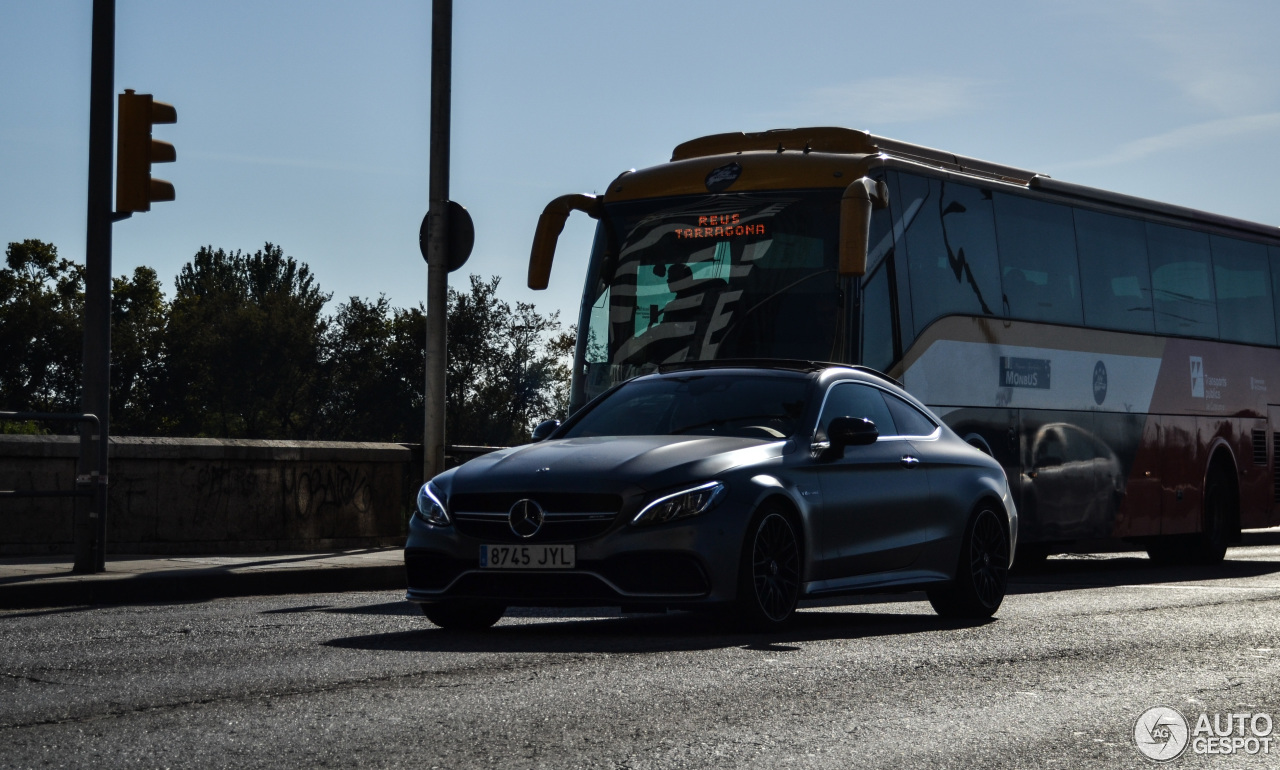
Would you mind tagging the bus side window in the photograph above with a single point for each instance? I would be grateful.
(1037, 244)
(881, 343)
(1116, 276)
(1243, 290)
(877, 321)
(1274, 253)
(1182, 281)
(951, 249)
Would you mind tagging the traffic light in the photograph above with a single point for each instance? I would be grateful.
(136, 151)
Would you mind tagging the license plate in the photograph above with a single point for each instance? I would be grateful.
(526, 557)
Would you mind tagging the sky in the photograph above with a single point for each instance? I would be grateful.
(306, 124)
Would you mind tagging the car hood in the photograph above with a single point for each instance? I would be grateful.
(611, 463)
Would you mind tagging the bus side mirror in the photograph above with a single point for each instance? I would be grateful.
(550, 225)
(859, 199)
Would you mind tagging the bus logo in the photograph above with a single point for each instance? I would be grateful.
(721, 178)
(1024, 373)
(1197, 377)
(1099, 383)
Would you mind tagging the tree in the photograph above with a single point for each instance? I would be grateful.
(243, 346)
(41, 331)
(138, 317)
(505, 371)
(374, 365)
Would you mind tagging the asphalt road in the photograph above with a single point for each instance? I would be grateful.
(1078, 652)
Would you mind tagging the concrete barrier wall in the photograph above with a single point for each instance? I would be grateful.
(181, 495)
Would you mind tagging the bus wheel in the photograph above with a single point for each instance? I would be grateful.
(457, 616)
(1210, 547)
(982, 574)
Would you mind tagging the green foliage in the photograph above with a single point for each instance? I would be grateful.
(374, 372)
(138, 317)
(506, 370)
(244, 350)
(41, 332)
(243, 346)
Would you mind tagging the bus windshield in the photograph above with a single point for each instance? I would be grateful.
(696, 278)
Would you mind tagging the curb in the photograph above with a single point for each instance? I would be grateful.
(198, 585)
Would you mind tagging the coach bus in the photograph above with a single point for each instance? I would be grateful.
(1115, 354)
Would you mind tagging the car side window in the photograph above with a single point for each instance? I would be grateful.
(851, 399)
(910, 421)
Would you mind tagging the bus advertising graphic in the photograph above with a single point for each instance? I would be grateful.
(1111, 352)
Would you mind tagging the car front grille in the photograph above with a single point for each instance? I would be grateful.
(568, 517)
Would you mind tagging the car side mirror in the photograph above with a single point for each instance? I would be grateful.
(849, 431)
(544, 429)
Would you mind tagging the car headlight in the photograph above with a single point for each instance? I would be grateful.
(430, 508)
(682, 504)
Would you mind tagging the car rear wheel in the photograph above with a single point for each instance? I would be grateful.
(982, 574)
(458, 616)
(769, 578)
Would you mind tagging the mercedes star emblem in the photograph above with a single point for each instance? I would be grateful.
(525, 518)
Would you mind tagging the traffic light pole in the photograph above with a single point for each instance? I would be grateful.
(433, 441)
(91, 518)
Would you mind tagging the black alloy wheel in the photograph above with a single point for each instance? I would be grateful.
(460, 616)
(982, 574)
(770, 584)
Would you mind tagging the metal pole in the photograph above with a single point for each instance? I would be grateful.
(91, 520)
(433, 442)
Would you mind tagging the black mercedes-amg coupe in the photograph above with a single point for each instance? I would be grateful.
(748, 487)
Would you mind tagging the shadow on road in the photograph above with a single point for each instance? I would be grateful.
(855, 618)
(672, 632)
(1077, 573)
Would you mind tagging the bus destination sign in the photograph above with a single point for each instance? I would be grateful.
(720, 226)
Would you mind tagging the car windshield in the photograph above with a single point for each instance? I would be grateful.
(748, 406)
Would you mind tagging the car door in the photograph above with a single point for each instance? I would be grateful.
(872, 496)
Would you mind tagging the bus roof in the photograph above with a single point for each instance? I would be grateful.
(826, 156)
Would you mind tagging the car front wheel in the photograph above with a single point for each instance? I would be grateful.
(982, 574)
(769, 580)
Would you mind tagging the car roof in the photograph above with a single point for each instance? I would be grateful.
(775, 365)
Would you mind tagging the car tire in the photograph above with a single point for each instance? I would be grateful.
(458, 616)
(770, 571)
(982, 571)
